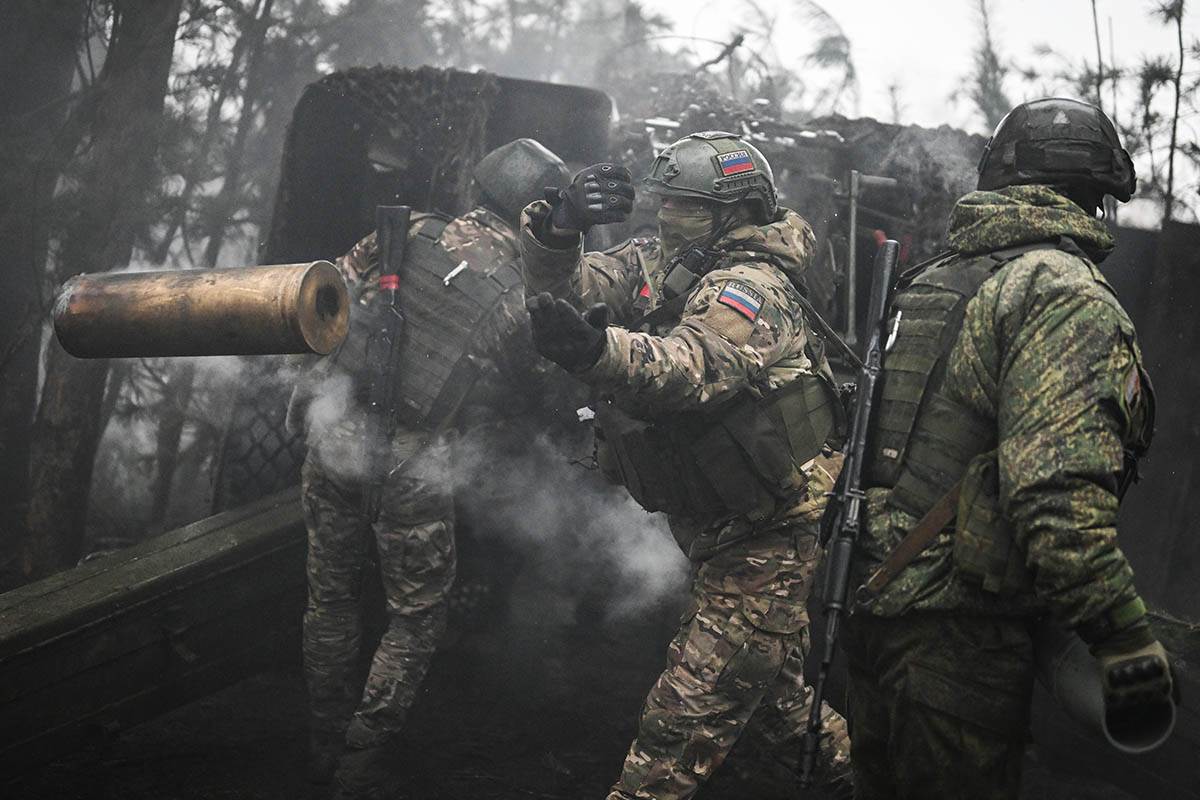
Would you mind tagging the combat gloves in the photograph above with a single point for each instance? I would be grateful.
(598, 195)
(1137, 678)
(572, 340)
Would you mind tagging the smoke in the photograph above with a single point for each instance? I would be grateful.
(587, 540)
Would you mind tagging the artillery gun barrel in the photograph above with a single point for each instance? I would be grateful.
(285, 308)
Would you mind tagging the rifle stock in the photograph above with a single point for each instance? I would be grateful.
(391, 226)
(845, 506)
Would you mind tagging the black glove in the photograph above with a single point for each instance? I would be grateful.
(572, 340)
(598, 195)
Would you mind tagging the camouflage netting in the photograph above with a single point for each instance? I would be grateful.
(358, 139)
(368, 136)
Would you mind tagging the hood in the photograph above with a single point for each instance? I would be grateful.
(788, 242)
(985, 221)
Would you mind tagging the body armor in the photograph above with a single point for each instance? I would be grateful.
(443, 306)
(923, 444)
(740, 459)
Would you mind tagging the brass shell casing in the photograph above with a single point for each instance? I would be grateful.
(287, 308)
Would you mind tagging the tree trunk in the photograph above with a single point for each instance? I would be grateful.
(116, 175)
(37, 57)
(179, 394)
(1169, 200)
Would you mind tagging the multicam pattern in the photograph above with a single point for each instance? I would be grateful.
(734, 671)
(1046, 351)
(414, 532)
(735, 665)
(414, 535)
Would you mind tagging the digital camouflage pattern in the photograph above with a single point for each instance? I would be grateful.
(414, 530)
(735, 664)
(939, 705)
(1047, 352)
(734, 670)
(941, 672)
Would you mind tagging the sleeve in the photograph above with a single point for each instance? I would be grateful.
(359, 261)
(581, 279)
(740, 322)
(1064, 415)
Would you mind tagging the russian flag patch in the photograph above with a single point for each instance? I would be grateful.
(742, 299)
(735, 163)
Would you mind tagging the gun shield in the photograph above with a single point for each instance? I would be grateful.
(289, 308)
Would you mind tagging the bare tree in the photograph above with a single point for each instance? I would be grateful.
(1172, 12)
(113, 175)
(987, 78)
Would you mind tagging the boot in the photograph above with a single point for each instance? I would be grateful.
(365, 769)
(324, 750)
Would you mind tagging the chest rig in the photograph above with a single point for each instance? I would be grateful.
(742, 458)
(443, 305)
(929, 450)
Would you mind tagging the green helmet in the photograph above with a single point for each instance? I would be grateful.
(717, 166)
(1058, 142)
(515, 174)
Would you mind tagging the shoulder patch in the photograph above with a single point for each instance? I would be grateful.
(742, 299)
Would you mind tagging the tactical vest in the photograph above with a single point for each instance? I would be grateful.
(922, 443)
(443, 308)
(741, 459)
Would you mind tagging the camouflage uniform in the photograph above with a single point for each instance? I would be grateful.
(414, 529)
(941, 670)
(737, 658)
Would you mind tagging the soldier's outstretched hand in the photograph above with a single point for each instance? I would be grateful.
(598, 195)
(572, 340)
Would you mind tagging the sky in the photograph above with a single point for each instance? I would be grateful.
(925, 46)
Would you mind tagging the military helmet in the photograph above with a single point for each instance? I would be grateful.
(717, 166)
(1058, 142)
(515, 174)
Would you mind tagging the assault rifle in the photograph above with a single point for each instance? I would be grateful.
(383, 346)
(845, 506)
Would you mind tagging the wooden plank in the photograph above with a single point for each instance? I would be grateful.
(130, 636)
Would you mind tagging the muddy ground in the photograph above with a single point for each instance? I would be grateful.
(533, 697)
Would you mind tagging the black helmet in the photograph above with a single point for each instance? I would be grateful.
(515, 174)
(1058, 142)
(716, 166)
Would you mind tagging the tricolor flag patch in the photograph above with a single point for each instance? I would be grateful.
(742, 299)
(735, 163)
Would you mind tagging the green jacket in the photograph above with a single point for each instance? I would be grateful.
(1048, 356)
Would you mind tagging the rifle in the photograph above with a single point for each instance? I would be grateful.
(845, 504)
(382, 353)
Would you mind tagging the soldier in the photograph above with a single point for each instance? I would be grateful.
(716, 403)
(463, 267)
(1013, 396)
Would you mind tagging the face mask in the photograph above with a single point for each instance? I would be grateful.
(680, 227)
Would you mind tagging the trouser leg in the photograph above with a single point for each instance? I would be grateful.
(775, 732)
(415, 539)
(726, 658)
(939, 706)
(332, 623)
